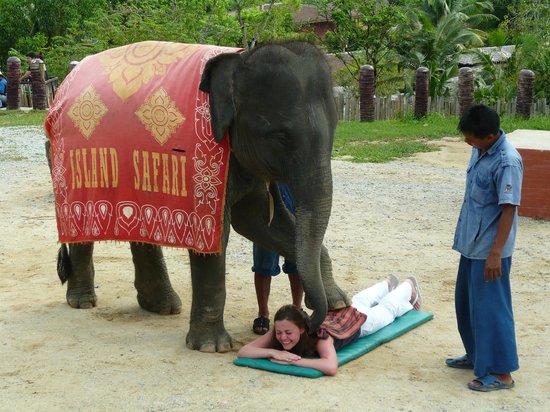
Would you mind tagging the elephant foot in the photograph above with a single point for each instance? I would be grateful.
(209, 339)
(81, 300)
(168, 303)
(337, 298)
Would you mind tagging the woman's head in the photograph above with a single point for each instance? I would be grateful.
(290, 331)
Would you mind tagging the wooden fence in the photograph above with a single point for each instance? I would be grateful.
(25, 92)
(393, 107)
(385, 108)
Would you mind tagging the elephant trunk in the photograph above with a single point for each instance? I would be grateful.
(313, 206)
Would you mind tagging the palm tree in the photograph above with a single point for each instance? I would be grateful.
(440, 30)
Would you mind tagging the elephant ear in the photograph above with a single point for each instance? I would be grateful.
(217, 81)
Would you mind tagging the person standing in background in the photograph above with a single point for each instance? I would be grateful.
(266, 265)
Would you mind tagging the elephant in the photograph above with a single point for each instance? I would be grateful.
(276, 105)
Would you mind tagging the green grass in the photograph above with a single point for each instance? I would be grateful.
(379, 141)
(22, 118)
(509, 124)
(382, 141)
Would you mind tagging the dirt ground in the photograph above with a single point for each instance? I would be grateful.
(397, 218)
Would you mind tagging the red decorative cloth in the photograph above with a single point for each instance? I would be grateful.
(133, 154)
(341, 323)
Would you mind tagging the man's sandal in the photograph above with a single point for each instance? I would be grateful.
(462, 362)
(260, 325)
(489, 383)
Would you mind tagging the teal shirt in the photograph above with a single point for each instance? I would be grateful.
(493, 179)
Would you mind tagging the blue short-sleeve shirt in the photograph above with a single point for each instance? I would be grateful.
(493, 179)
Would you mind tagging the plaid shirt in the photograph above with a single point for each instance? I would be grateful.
(341, 323)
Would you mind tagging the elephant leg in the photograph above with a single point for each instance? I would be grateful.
(154, 290)
(80, 282)
(206, 327)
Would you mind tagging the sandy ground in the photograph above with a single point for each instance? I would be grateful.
(391, 218)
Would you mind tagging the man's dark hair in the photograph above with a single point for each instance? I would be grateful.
(480, 120)
(32, 55)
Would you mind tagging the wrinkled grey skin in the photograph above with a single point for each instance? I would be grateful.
(276, 102)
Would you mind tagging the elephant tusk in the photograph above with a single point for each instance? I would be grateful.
(271, 204)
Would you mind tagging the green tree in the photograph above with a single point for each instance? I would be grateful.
(437, 33)
(526, 24)
(12, 26)
(365, 33)
(494, 81)
(263, 20)
(66, 30)
(31, 26)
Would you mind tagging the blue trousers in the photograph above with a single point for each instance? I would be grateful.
(266, 262)
(485, 318)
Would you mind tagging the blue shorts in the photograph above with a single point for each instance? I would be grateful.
(266, 262)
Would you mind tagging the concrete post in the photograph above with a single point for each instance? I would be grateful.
(525, 93)
(367, 86)
(465, 88)
(39, 100)
(13, 74)
(422, 92)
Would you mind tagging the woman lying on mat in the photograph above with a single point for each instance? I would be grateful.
(371, 309)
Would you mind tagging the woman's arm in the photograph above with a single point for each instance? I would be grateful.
(328, 360)
(261, 348)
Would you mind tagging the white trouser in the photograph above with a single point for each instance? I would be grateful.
(380, 306)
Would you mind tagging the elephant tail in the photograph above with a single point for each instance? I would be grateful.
(64, 269)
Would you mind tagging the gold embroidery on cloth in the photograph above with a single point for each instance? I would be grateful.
(132, 66)
(87, 111)
(160, 116)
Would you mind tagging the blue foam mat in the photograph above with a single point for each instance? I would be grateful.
(401, 325)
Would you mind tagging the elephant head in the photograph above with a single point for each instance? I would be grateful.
(276, 103)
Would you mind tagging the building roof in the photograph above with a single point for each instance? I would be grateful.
(309, 14)
(499, 54)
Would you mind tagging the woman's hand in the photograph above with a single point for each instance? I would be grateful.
(284, 358)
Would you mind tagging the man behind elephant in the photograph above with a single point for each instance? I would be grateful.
(266, 265)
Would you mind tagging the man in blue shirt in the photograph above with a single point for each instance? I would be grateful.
(3, 90)
(266, 265)
(485, 236)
